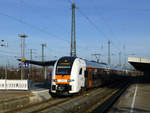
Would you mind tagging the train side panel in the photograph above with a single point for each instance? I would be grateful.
(77, 74)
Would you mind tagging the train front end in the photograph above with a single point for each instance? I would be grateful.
(61, 83)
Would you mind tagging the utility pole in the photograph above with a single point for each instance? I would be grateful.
(73, 38)
(30, 64)
(43, 46)
(120, 59)
(6, 72)
(124, 49)
(22, 36)
(109, 59)
(44, 68)
(113, 60)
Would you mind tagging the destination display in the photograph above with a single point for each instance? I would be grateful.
(64, 64)
(63, 68)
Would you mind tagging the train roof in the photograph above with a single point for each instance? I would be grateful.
(95, 64)
(88, 63)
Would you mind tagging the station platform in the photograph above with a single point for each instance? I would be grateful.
(35, 88)
(135, 100)
(11, 99)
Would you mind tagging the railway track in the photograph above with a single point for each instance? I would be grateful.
(104, 105)
(78, 103)
(31, 108)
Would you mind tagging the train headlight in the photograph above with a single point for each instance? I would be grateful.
(54, 80)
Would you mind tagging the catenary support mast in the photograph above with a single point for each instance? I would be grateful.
(73, 32)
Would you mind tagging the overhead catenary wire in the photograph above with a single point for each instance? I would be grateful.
(56, 25)
(9, 52)
(96, 27)
(33, 26)
(45, 31)
(126, 9)
(13, 56)
(93, 24)
(112, 32)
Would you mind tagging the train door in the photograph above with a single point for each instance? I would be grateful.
(86, 83)
(90, 78)
(81, 78)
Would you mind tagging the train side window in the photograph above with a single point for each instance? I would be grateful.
(80, 72)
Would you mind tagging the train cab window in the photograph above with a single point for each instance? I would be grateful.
(64, 65)
(80, 72)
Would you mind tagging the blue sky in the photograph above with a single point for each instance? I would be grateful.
(123, 22)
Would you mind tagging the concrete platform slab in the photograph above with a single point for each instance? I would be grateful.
(135, 100)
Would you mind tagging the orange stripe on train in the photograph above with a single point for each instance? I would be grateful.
(62, 77)
(90, 78)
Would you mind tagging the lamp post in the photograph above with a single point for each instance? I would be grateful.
(113, 59)
(22, 36)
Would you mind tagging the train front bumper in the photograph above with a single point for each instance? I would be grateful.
(62, 89)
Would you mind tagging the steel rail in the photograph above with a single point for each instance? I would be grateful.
(106, 105)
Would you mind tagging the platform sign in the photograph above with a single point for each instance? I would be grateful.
(17, 84)
(26, 65)
(13, 84)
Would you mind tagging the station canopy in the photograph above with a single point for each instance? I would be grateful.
(140, 64)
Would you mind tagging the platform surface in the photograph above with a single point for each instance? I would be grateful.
(135, 100)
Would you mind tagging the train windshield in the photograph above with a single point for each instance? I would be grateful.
(64, 66)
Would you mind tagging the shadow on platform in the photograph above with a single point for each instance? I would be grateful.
(129, 79)
(141, 80)
(39, 85)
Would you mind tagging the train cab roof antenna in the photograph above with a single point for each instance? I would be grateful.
(73, 38)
